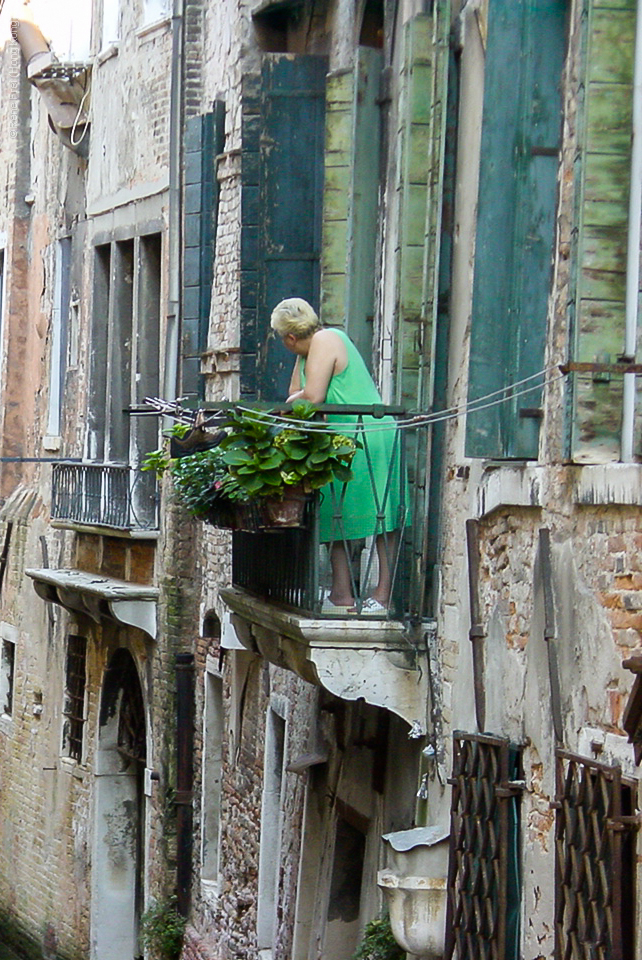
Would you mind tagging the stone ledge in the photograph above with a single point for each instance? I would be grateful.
(352, 659)
(608, 483)
(101, 598)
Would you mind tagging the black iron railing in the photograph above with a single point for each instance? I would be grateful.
(104, 495)
(295, 567)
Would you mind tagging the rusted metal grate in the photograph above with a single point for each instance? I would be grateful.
(483, 880)
(75, 695)
(594, 863)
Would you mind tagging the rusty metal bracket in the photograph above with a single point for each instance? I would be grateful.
(477, 633)
(549, 633)
(617, 368)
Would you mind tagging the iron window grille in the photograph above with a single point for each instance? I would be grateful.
(484, 874)
(594, 860)
(106, 495)
(74, 710)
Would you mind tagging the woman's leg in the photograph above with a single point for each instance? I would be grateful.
(386, 544)
(341, 593)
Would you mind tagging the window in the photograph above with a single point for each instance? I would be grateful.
(111, 23)
(155, 10)
(595, 860)
(344, 905)
(212, 776)
(7, 663)
(74, 708)
(521, 130)
(484, 887)
(125, 347)
(59, 334)
(270, 847)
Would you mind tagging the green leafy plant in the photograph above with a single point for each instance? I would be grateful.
(162, 929)
(260, 459)
(265, 456)
(378, 942)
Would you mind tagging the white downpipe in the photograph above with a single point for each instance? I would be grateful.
(633, 248)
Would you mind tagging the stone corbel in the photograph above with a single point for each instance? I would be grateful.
(101, 598)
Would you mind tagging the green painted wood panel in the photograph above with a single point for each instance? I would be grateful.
(204, 140)
(281, 200)
(363, 217)
(599, 266)
(421, 137)
(350, 199)
(336, 195)
(515, 226)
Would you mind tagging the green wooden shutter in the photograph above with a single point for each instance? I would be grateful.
(282, 184)
(423, 94)
(521, 130)
(599, 262)
(336, 196)
(350, 199)
(204, 139)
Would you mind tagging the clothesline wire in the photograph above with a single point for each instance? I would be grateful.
(494, 398)
(421, 420)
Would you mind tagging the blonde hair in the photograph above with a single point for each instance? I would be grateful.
(294, 316)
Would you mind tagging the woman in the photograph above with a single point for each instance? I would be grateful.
(329, 369)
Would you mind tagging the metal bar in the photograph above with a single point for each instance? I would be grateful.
(476, 633)
(614, 368)
(377, 410)
(549, 633)
(184, 777)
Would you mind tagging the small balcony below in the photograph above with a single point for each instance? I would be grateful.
(104, 496)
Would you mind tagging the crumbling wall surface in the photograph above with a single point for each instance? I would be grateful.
(226, 926)
(129, 147)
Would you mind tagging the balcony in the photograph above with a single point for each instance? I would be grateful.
(281, 578)
(105, 496)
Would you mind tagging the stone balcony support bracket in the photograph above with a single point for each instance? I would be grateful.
(101, 598)
(353, 659)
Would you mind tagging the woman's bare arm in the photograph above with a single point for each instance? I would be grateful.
(327, 355)
(295, 380)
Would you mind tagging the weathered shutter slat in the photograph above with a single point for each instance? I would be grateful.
(336, 195)
(600, 253)
(413, 139)
(515, 224)
(364, 195)
(423, 95)
(350, 199)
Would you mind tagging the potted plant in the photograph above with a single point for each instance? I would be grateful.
(263, 469)
(278, 462)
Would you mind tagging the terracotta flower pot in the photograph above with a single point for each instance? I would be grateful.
(285, 512)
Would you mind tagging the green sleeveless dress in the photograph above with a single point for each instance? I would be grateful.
(370, 503)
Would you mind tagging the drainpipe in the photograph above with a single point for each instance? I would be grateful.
(175, 225)
(633, 249)
(184, 777)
